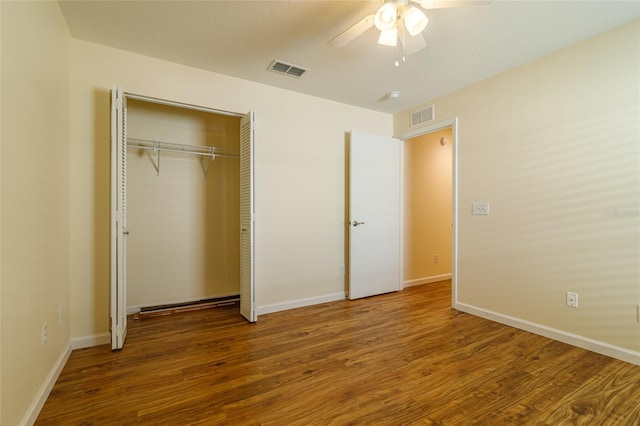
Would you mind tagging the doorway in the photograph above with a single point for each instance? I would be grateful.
(182, 209)
(430, 205)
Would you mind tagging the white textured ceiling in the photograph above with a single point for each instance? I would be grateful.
(241, 38)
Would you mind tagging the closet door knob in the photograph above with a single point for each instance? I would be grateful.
(356, 223)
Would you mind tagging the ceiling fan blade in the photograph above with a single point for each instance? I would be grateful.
(413, 44)
(352, 32)
(443, 4)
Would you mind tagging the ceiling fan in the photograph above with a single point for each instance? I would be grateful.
(399, 20)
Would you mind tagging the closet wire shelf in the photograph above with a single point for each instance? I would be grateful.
(209, 152)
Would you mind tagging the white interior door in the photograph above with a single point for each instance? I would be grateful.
(118, 270)
(247, 220)
(374, 208)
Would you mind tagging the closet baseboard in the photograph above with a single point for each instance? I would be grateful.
(135, 309)
(299, 303)
(199, 305)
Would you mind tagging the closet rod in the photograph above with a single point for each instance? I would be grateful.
(208, 151)
(181, 105)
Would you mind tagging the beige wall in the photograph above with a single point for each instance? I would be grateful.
(183, 242)
(300, 143)
(1, 119)
(427, 207)
(35, 200)
(553, 147)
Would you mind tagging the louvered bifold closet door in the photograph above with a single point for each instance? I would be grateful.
(118, 269)
(247, 280)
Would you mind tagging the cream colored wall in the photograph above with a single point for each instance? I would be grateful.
(35, 200)
(1, 119)
(553, 147)
(427, 207)
(183, 242)
(300, 143)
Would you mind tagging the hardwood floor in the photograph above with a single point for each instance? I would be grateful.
(398, 359)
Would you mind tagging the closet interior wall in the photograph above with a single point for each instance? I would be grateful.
(428, 207)
(183, 217)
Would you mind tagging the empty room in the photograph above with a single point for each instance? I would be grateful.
(320, 212)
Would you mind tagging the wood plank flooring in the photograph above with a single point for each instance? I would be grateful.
(398, 359)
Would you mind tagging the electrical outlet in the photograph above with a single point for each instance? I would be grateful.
(60, 315)
(638, 312)
(572, 299)
(45, 334)
(436, 258)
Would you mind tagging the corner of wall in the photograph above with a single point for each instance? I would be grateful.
(35, 154)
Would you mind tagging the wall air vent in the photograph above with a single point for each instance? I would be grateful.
(422, 116)
(287, 69)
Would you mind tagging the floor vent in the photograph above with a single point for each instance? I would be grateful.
(422, 116)
(176, 308)
(287, 69)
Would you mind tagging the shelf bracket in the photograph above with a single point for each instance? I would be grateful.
(205, 163)
(156, 152)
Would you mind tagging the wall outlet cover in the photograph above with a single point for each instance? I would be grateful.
(480, 209)
(572, 299)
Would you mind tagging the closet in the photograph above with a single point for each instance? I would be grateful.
(182, 207)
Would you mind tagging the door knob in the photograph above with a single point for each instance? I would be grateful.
(356, 223)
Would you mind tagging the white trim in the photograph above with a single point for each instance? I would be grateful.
(401, 230)
(133, 309)
(300, 303)
(32, 413)
(454, 212)
(427, 280)
(555, 334)
(90, 341)
(441, 125)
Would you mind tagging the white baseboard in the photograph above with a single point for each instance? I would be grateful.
(555, 334)
(32, 413)
(133, 309)
(277, 307)
(89, 341)
(427, 280)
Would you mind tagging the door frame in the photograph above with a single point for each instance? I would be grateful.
(128, 95)
(452, 124)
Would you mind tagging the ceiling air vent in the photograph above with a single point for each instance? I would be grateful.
(287, 69)
(422, 116)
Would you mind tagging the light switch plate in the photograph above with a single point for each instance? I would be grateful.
(480, 208)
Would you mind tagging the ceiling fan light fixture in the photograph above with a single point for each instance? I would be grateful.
(414, 20)
(388, 37)
(385, 18)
